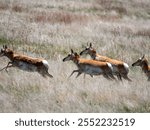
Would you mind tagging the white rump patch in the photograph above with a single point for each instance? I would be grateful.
(45, 63)
(126, 66)
(110, 66)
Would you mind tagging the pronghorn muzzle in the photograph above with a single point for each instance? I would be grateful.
(133, 64)
(83, 52)
(137, 63)
(66, 59)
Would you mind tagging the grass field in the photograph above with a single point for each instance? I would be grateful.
(49, 29)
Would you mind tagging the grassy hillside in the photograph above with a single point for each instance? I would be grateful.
(49, 29)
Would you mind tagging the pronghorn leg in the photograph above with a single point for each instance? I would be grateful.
(119, 77)
(91, 75)
(74, 72)
(44, 72)
(125, 76)
(79, 75)
(48, 74)
(106, 76)
(8, 66)
(85, 75)
(111, 75)
(44, 75)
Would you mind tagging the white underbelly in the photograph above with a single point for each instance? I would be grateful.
(27, 67)
(93, 70)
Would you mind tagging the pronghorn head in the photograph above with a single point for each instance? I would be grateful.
(140, 61)
(72, 56)
(88, 50)
(5, 51)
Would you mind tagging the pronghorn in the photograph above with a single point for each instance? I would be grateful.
(24, 62)
(120, 68)
(90, 67)
(143, 63)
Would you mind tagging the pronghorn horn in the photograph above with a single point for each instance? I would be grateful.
(71, 51)
(90, 44)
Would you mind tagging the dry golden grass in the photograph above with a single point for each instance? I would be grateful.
(49, 29)
(57, 17)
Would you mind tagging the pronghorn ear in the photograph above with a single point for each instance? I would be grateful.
(72, 51)
(143, 56)
(5, 46)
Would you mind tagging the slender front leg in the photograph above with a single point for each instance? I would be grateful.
(119, 77)
(73, 72)
(8, 66)
(106, 76)
(91, 75)
(79, 73)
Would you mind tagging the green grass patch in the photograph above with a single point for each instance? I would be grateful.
(141, 108)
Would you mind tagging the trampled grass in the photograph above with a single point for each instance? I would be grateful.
(49, 29)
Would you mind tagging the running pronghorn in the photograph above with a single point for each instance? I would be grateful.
(120, 68)
(143, 63)
(90, 67)
(25, 63)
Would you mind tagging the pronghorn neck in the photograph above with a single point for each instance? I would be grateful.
(93, 54)
(98, 57)
(10, 55)
(144, 65)
(76, 60)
